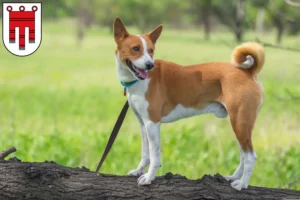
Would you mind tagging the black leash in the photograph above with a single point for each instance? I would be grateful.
(113, 134)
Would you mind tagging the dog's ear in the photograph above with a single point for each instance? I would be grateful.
(120, 31)
(154, 35)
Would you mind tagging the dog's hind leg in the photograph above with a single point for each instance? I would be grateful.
(239, 170)
(145, 160)
(242, 117)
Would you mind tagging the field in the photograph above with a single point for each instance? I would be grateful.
(61, 103)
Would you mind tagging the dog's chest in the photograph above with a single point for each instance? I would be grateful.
(136, 97)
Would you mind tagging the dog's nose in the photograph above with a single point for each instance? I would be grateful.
(149, 65)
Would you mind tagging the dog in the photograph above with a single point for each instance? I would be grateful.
(161, 92)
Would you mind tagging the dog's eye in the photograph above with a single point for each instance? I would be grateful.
(136, 48)
(151, 51)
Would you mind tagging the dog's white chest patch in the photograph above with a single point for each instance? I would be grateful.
(180, 112)
(136, 97)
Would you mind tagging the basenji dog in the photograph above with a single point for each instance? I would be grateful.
(161, 92)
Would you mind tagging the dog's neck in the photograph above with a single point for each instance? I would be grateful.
(123, 73)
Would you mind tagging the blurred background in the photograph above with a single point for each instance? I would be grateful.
(61, 102)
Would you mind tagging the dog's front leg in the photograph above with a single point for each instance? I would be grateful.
(145, 160)
(153, 135)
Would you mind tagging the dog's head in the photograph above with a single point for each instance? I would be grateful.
(136, 51)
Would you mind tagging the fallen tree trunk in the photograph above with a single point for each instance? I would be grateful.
(48, 180)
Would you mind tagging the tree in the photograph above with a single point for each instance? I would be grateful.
(240, 13)
(202, 11)
(231, 14)
(283, 16)
(260, 6)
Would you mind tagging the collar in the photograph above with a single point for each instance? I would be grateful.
(128, 84)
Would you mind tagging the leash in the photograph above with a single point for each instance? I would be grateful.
(113, 134)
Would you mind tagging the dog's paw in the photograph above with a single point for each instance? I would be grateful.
(135, 172)
(239, 185)
(231, 178)
(145, 179)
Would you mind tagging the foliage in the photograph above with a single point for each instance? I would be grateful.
(140, 12)
(176, 13)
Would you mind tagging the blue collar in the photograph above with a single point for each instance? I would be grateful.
(126, 85)
(129, 83)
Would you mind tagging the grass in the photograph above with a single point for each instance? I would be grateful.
(61, 103)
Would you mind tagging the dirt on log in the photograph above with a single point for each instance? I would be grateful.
(48, 180)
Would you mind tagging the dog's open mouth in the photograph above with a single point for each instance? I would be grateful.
(139, 73)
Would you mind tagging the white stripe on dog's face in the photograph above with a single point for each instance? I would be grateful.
(145, 58)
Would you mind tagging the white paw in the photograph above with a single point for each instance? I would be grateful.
(231, 178)
(145, 179)
(239, 185)
(135, 172)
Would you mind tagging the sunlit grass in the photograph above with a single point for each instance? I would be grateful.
(61, 103)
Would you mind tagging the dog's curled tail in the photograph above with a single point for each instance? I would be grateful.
(249, 56)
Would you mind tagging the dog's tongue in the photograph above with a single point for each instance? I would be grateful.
(142, 73)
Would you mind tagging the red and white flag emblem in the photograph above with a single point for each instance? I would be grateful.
(22, 27)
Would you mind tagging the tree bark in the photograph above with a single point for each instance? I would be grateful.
(260, 21)
(279, 35)
(45, 181)
(279, 22)
(205, 16)
(203, 10)
(240, 13)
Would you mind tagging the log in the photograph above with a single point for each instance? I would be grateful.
(48, 180)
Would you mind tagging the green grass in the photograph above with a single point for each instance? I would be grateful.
(61, 103)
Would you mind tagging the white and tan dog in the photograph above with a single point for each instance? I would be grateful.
(166, 92)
